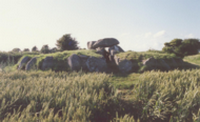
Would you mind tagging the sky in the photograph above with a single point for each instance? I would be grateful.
(139, 25)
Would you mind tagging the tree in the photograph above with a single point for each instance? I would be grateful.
(26, 50)
(16, 50)
(66, 42)
(190, 46)
(53, 50)
(182, 47)
(34, 49)
(45, 49)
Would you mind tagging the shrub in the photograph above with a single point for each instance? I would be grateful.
(182, 47)
(16, 50)
(45, 49)
(26, 50)
(34, 49)
(66, 42)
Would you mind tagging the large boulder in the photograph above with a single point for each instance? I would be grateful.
(163, 65)
(90, 44)
(23, 63)
(96, 64)
(156, 64)
(31, 64)
(116, 48)
(74, 62)
(124, 66)
(47, 63)
(100, 50)
(83, 59)
(149, 62)
(106, 42)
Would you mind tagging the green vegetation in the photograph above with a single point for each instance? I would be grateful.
(59, 58)
(26, 50)
(34, 49)
(172, 96)
(66, 42)
(182, 47)
(77, 96)
(50, 96)
(45, 49)
(139, 56)
(14, 56)
(195, 59)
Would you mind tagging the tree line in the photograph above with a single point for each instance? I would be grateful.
(179, 47)
(66, 42)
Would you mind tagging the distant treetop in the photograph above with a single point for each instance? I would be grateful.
(66, 42)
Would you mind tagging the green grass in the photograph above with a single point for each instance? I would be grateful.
(195, 59)
(78, 96)
(139, 56)
(121, 81)
(60, 58)
(50, 96)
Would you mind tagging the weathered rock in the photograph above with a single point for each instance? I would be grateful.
(100, 50)
(172, 63)
(83, 59)
(156, 64)
(96, 64)
(150, 61)
(150, 64)
(74, 62)
(31, 64)
(116, 48)
(106, 42)
(23, 62)
(90, 44)
(47, 63)
(112, 55)
(125, 66)
(164, 65)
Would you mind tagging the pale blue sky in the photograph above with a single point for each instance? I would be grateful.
(139, 25)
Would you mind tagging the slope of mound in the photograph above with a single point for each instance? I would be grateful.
(59, 62)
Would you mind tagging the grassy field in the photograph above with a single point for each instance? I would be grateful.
(98, 97)
(195, 59)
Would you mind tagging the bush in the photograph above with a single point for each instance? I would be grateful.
(34, 49)
(45, 49)
(182, 47)
(66, 42)
(17, 50)
(26, 50)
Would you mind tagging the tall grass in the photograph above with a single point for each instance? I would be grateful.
(50, 96)
(172, 96)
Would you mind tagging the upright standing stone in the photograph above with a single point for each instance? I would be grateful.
(31, 64)
(47, 63)
(96, 64)
(23, 62)
(90, 44)
(74, 62)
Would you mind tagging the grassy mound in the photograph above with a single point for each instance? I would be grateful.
(60, 58)
(13, 56)
(139, 56)
(172, 61)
